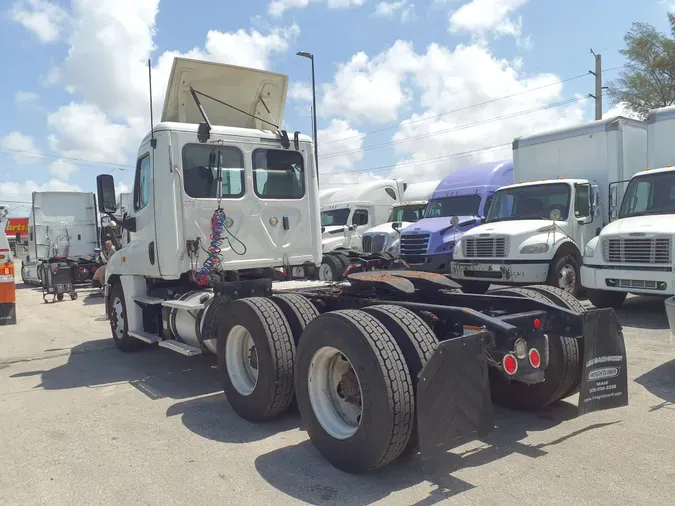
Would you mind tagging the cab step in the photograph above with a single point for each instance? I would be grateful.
(182, 348)
(147, 300)
(145, 336)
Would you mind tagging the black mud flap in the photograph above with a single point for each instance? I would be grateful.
(8, 314)
(604, 384)
(453, 395)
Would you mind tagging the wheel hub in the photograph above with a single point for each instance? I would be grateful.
(349, 389)
(567, 278)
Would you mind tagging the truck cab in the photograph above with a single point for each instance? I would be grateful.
(466, 194)
(349, 212)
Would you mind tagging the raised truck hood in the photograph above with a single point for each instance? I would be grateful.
(652, 224)
(247, 89)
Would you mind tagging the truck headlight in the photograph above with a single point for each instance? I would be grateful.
(589, 252)
(532, 249)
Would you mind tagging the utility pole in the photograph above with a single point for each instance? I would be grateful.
(598, 85)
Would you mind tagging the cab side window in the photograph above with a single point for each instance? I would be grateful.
(360, 217)
(142, 182)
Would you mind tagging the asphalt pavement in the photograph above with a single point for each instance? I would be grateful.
(82, 423)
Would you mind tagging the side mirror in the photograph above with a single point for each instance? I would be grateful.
(595, 201)
(613, 193)
(483, 219)
(397, 225)
(105, 189)
(612, 215)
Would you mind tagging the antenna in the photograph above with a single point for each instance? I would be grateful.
(153, 141)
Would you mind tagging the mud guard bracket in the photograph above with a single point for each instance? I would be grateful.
(453, 395)
(604, 381)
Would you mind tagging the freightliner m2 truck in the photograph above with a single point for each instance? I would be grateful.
(536, 230)
(382, 364)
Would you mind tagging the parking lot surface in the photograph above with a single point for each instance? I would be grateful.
(83, 423)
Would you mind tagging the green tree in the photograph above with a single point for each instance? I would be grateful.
(648, 79)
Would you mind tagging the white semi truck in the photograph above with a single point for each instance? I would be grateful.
(62, 225)
(536, 230)
(347, 214)
(222, 198)
(634, 253)
(385, 237)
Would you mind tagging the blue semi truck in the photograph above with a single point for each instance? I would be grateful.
(428, 245)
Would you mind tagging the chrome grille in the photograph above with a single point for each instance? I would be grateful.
(487, 247)
(655, 250)
(414, 244)
(367, 243)
(379, 243)
(638, 283)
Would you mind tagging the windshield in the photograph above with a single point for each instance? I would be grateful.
(411, 213)
(462, 205)
(335, 217)
(530, 202)
(650, 194)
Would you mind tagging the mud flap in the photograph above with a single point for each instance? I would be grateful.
(453, 395)
(604, 384)
(8, 313)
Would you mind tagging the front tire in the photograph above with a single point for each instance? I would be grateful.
(331, 268)
(606, 298)
(119, 323)
(564, 273)
(346, 360)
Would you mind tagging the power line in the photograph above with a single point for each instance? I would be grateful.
(398, 125)
(37, 154)
(459, 127)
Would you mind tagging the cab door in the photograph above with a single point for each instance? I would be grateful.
(141, 251)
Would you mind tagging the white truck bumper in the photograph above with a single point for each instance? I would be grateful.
(628, 280)
(504, 272)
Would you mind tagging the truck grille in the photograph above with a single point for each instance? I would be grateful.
(637, 251)
(414, 244)
(374, 243)
(492, 247)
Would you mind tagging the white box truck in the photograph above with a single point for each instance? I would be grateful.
(536, 230)
(385, 237)
(62, 225)
(634, 253)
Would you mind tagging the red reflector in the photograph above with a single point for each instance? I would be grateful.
(510, 364)
(535, 358)
(537, 323)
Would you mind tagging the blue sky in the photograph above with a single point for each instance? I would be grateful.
(74, 85)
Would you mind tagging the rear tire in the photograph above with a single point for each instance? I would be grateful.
(375, 373)
(298, 310)
(417, 342)
(606, 298)
(560, 375)
(256, 356)
(330, 268)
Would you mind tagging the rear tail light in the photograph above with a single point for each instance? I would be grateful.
(510, 364)
(535, 358)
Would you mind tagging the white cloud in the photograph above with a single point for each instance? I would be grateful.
(301, 92)
(619, 110)
(391, 9)
(337, 138)
(62, 169)
(21, 147)
(24, 97)
(45, 19)
(480, 17)
(84, 131)
(278, 7)
(371, 89)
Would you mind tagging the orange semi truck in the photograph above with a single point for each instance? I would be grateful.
(7, 287)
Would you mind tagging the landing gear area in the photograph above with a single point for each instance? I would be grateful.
(336, 264)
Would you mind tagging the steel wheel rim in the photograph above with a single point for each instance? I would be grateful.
(325, 273)
(241, 360)
(118, 311)
(567, 278)
(339, 417)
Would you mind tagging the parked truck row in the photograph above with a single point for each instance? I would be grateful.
(381, 364)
